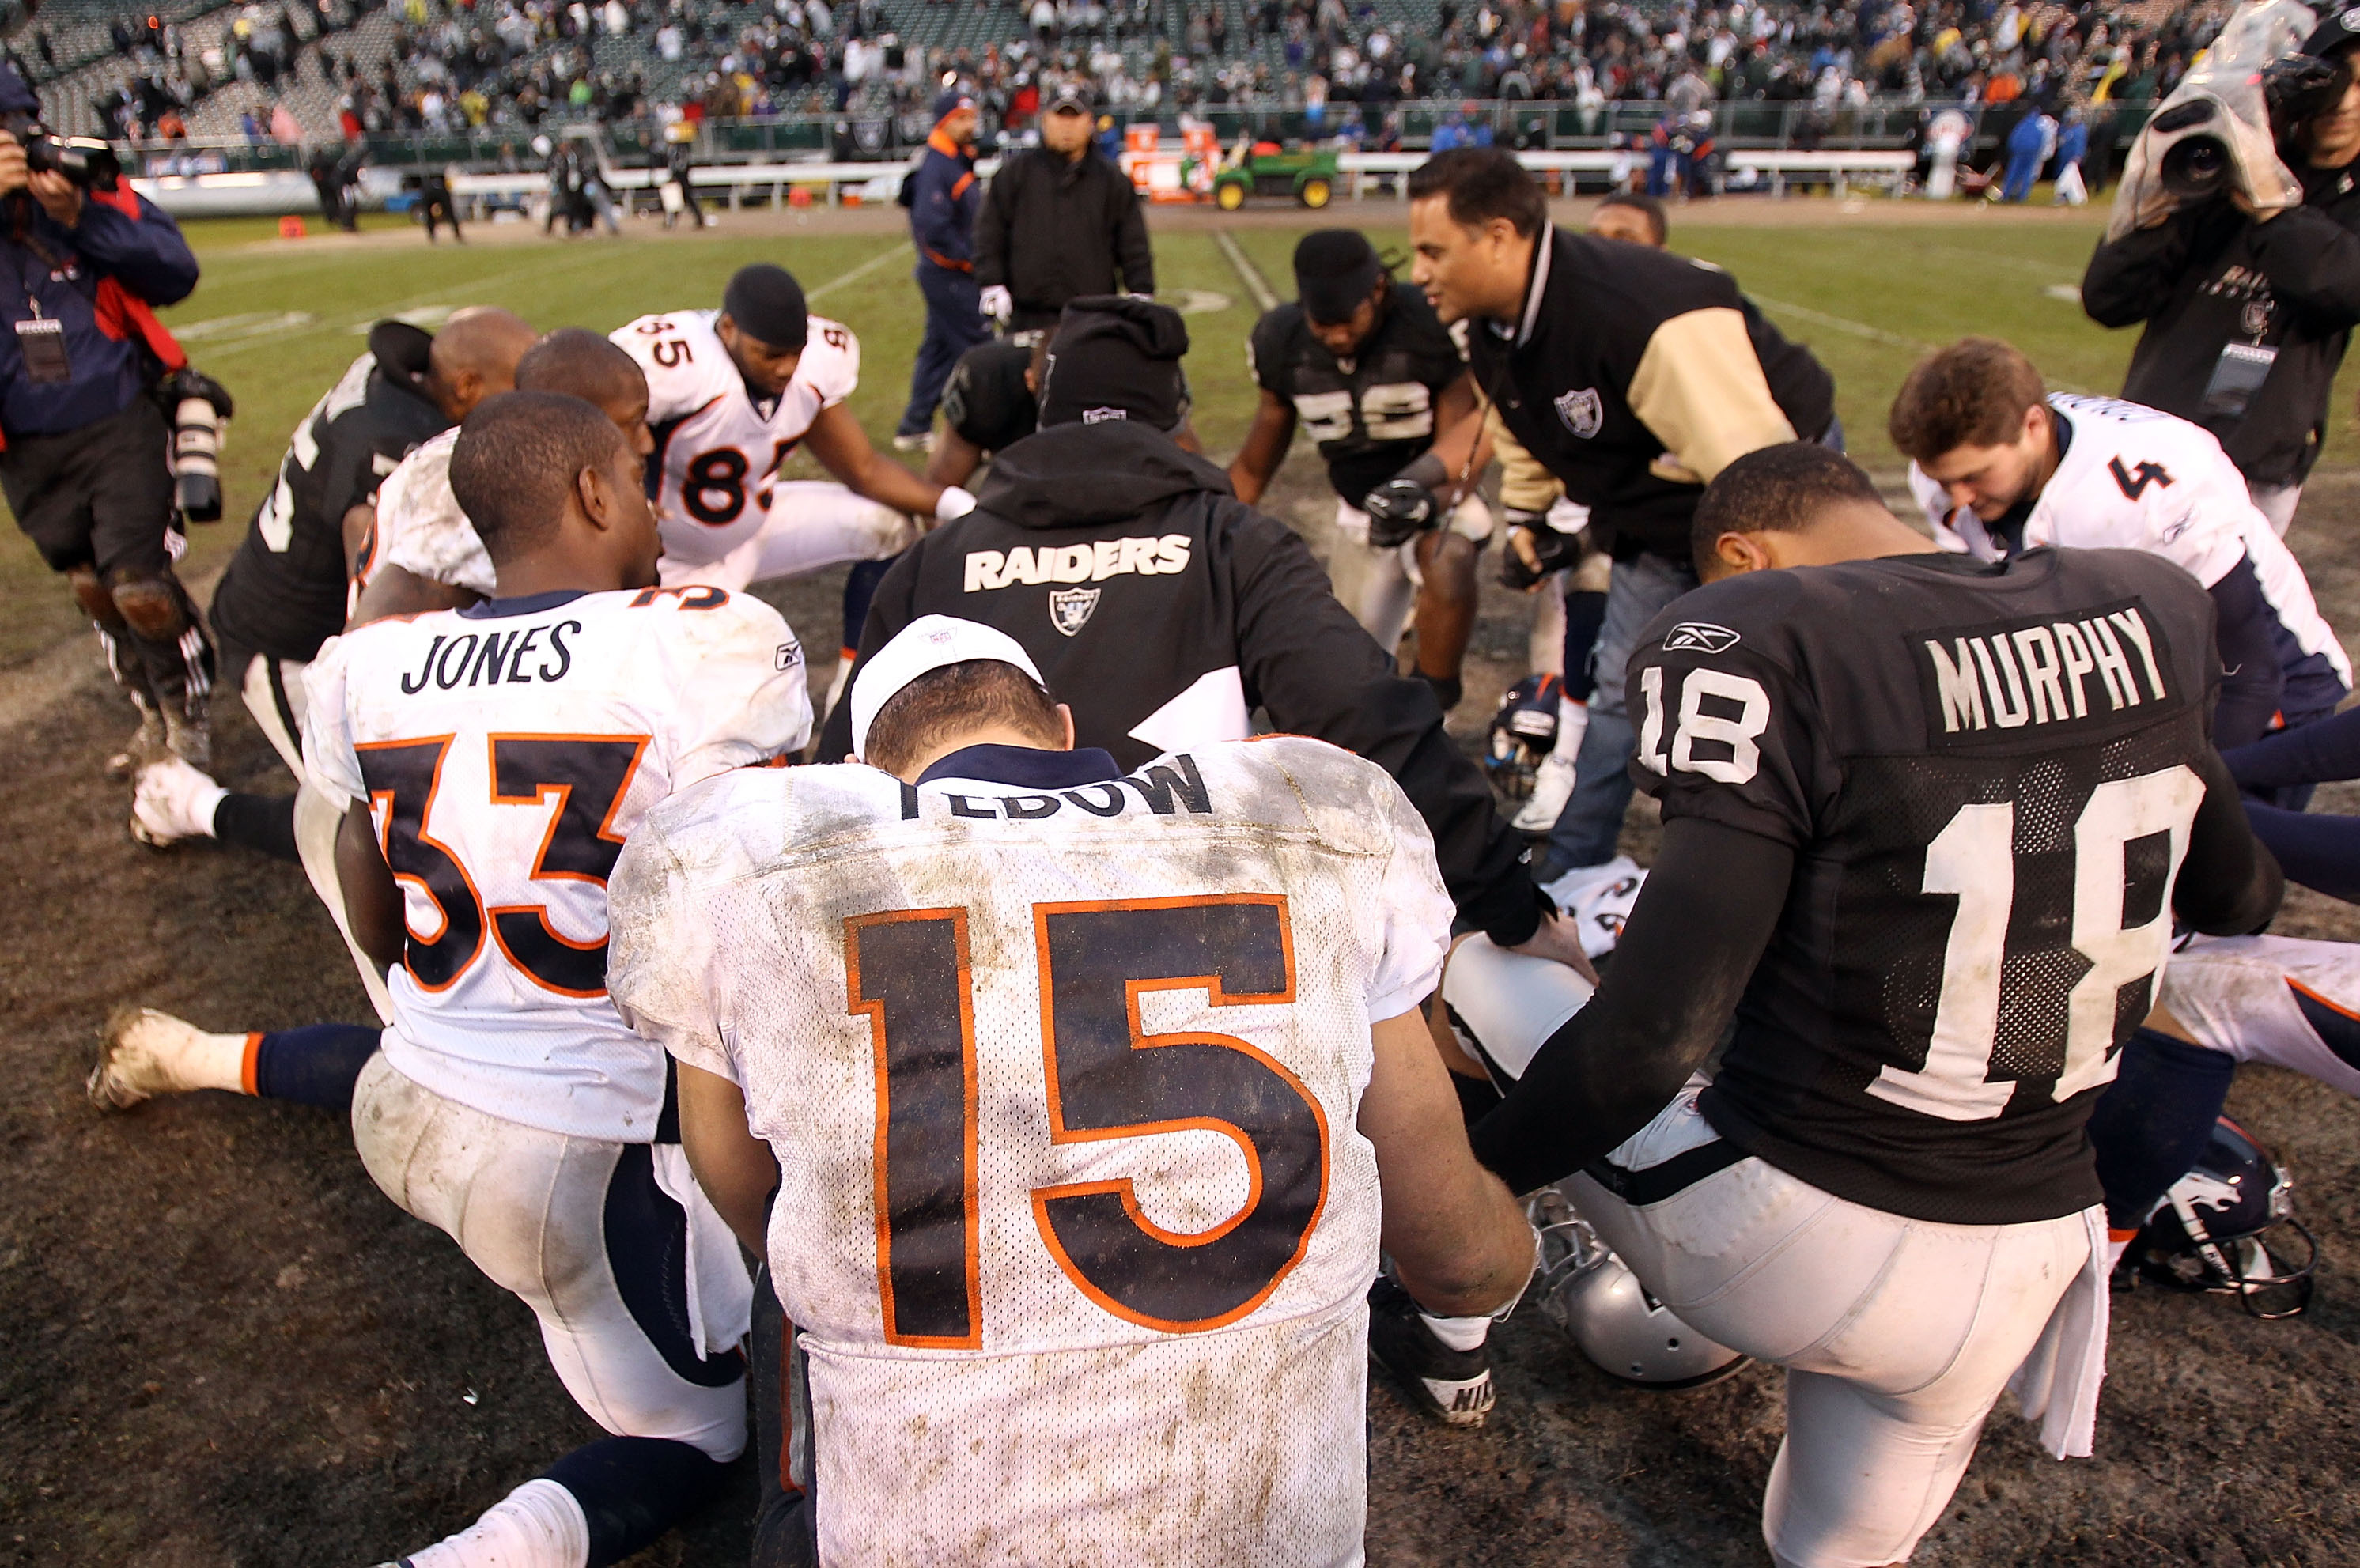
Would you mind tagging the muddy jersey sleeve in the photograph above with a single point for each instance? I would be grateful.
(731, 681)
(1418, 912)
(328, 754)
(660, 953)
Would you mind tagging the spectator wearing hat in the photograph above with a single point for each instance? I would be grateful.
(943, 196)
(2246, 313)
(1169, 610)
(1061, 221)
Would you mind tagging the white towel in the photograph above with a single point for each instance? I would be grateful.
(2057, 1384)
(720, 1291)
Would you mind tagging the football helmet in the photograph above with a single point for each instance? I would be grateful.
(1591, 1294)
(2208, 1231)
(1523, 732)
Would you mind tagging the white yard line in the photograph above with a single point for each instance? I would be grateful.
(858, 273)
(1248, 273)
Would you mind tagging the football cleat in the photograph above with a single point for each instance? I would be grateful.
(143, 1053)
(173, 802)
(922, 441)
(145, 742)
(1453, 1386)
(189, 735)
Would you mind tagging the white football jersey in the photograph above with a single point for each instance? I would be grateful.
(719, 450)
(1064, 1077)
(2137, 478)
(507, 750)
(421, 529)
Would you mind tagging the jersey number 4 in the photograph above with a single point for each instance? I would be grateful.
(583, 775)
(1107, 1079)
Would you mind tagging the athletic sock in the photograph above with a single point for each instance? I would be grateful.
(2153, 1123)
(1585, 617)
(630, 1490)
(315, 1065)
(538, 1525)
(860, 588)
(1459, 1333)
(265, 824)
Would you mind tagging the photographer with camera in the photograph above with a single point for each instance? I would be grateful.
(85, 373)
(2248, 298)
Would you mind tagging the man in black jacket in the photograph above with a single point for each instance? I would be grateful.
(1166, 611)
(2248, 311)
(1060, 222)
(1633, 374)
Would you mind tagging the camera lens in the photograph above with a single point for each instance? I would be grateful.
(2196, 167)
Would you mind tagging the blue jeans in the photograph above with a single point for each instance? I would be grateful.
(1593, 820)
(953, 325)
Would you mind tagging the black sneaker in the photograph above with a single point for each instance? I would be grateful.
(1454, 1386)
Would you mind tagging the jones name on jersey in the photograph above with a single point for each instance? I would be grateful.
(718, 449)
(937, 999)
(507, 750)
(1987, 774)
(1372, 413)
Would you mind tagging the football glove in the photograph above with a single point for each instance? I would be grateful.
(1552, 552)
(1399, 510)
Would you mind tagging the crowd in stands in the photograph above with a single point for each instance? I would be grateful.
(1344, 63)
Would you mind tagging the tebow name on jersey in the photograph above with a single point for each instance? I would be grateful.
(2039, 671)
(470, 659)
(1091, 562)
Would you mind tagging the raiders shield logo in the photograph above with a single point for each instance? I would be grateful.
(1581, 411)
(1070, 608)
(1699, 636)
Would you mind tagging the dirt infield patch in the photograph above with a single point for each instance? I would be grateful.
(220, 1344)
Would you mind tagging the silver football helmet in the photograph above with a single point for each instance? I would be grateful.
(1593, 1295)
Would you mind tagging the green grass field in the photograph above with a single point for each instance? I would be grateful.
(277, 322)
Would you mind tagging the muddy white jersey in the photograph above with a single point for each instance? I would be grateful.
(2137, 478)
(421, 528)
(719, 450)
(507, 750)
(1063, 1070)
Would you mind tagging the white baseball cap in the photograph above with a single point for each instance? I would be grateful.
(928, 643)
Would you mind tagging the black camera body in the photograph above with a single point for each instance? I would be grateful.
(86, 160)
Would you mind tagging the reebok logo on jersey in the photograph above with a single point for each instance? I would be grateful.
(1092, 563)
(2041, 672)
(1699, 636)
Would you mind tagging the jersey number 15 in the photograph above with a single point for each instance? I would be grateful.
(908, 972)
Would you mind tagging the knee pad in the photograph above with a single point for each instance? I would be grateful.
(92, 595)
(155, 607)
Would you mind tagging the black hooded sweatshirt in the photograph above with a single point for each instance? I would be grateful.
(1164, 611)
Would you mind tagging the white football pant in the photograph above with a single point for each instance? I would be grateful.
(580, 1231)
(1379, 587)
(810, 525)
(1897, 1335)
(2281, 1000)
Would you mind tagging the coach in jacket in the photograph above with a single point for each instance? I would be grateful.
(2248, 315)
(943, 196)
(1061, 221)
(1166, 611)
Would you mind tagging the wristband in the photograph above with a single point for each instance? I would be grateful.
(952, 504)
(1426, 472)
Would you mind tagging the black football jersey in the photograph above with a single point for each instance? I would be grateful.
(1986, 774)
(283, 592)
(985, 400)
(1371, 414)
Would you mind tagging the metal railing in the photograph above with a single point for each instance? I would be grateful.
(1527, 125)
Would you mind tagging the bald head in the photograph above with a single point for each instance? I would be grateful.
(473, 356)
